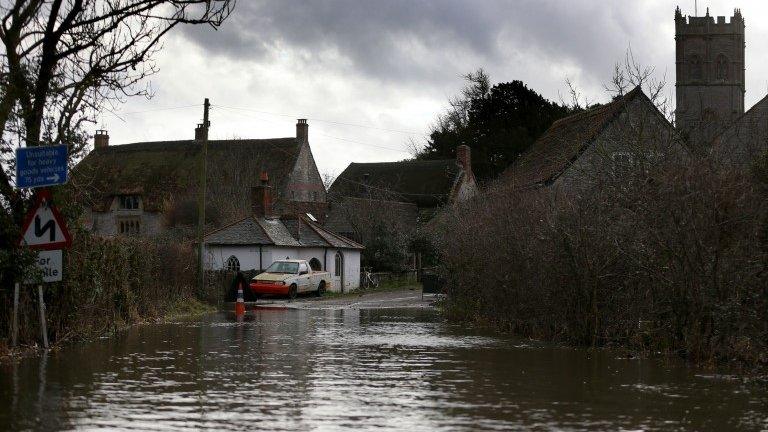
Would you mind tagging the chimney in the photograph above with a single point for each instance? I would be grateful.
(201, 133)
(302, 130)
(101, 139)
(464, 158)
(293, 223)
(261, 197)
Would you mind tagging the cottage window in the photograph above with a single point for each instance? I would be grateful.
(315, 264)
(338, 264)
(129, 202)
(128, 226)
(232, 264)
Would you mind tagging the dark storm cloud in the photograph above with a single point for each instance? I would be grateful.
(421, 41)
(378, 38)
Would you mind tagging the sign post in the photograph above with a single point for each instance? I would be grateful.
(15, 321)
(44, 230)
(43, 326)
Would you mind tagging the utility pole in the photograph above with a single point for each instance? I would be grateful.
(201, 204)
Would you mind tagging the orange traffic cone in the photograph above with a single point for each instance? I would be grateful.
(240, 305)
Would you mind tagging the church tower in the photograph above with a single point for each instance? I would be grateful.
(709, 71)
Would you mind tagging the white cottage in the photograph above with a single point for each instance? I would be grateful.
(256, 241)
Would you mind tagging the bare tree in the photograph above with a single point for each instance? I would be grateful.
(66, 60)
(328, 178)
(629, 73)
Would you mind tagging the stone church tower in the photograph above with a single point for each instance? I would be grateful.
(709, 71)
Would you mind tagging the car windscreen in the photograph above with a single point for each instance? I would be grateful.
(283, 267)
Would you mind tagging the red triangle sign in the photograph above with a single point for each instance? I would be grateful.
(44, 227)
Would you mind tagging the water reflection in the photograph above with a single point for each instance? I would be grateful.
(357, 369)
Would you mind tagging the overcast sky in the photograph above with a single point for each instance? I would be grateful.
(372, 75)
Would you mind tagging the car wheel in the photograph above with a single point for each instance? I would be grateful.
(292, 291)
(321, 289)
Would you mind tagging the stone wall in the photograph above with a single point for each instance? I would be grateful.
(638, 135)
(746, 139)
(304, 183)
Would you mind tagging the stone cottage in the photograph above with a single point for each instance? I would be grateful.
(586, 148)
(151, 188)
(746, 139)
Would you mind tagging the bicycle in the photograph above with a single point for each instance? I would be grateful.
(370, 279)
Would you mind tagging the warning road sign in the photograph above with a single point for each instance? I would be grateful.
(44, 227)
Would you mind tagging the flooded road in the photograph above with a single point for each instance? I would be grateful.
(363, 369)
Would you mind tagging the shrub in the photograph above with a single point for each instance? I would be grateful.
(107, 283)
(672, 258)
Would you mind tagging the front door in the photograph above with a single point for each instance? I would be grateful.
(339, 270)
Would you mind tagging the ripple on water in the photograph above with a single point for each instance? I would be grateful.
(360, 370)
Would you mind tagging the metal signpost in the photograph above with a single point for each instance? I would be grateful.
(41, 166)
(44, 228)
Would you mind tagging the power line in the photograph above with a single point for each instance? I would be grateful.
(319, 133)
(153, 110)
(407, 132)
(339, 176)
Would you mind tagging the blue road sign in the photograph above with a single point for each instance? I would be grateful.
(41, 166)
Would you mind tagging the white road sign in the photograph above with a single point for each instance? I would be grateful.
(49, 264)
(44, 227)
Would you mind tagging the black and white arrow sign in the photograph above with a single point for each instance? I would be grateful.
(44, 227)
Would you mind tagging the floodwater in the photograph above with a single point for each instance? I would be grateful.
(385, 369)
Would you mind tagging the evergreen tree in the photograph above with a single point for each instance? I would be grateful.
(498, 123)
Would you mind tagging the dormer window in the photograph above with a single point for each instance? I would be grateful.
(128, 202)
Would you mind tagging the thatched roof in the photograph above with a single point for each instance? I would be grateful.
(426, 183)
(159, 170)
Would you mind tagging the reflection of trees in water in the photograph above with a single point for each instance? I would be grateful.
(385, 367)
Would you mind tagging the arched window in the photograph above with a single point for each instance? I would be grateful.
(695, 71)
(722, 67)
(232, 264)
(338, 264)
(315, 264)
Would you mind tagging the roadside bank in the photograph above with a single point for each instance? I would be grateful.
(181, 308)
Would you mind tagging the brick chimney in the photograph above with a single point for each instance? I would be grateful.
(261, 197)
(201, 133)
(464, 158)
(302, 130)
(101, 139)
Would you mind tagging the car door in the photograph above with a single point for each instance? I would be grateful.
(304, 277)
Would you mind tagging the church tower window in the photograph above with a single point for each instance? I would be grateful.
(695, 71)
(722, 68)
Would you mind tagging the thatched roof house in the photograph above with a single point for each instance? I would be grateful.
(144, 188)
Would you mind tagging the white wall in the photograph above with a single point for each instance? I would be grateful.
(351, 269)
(217, 256)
